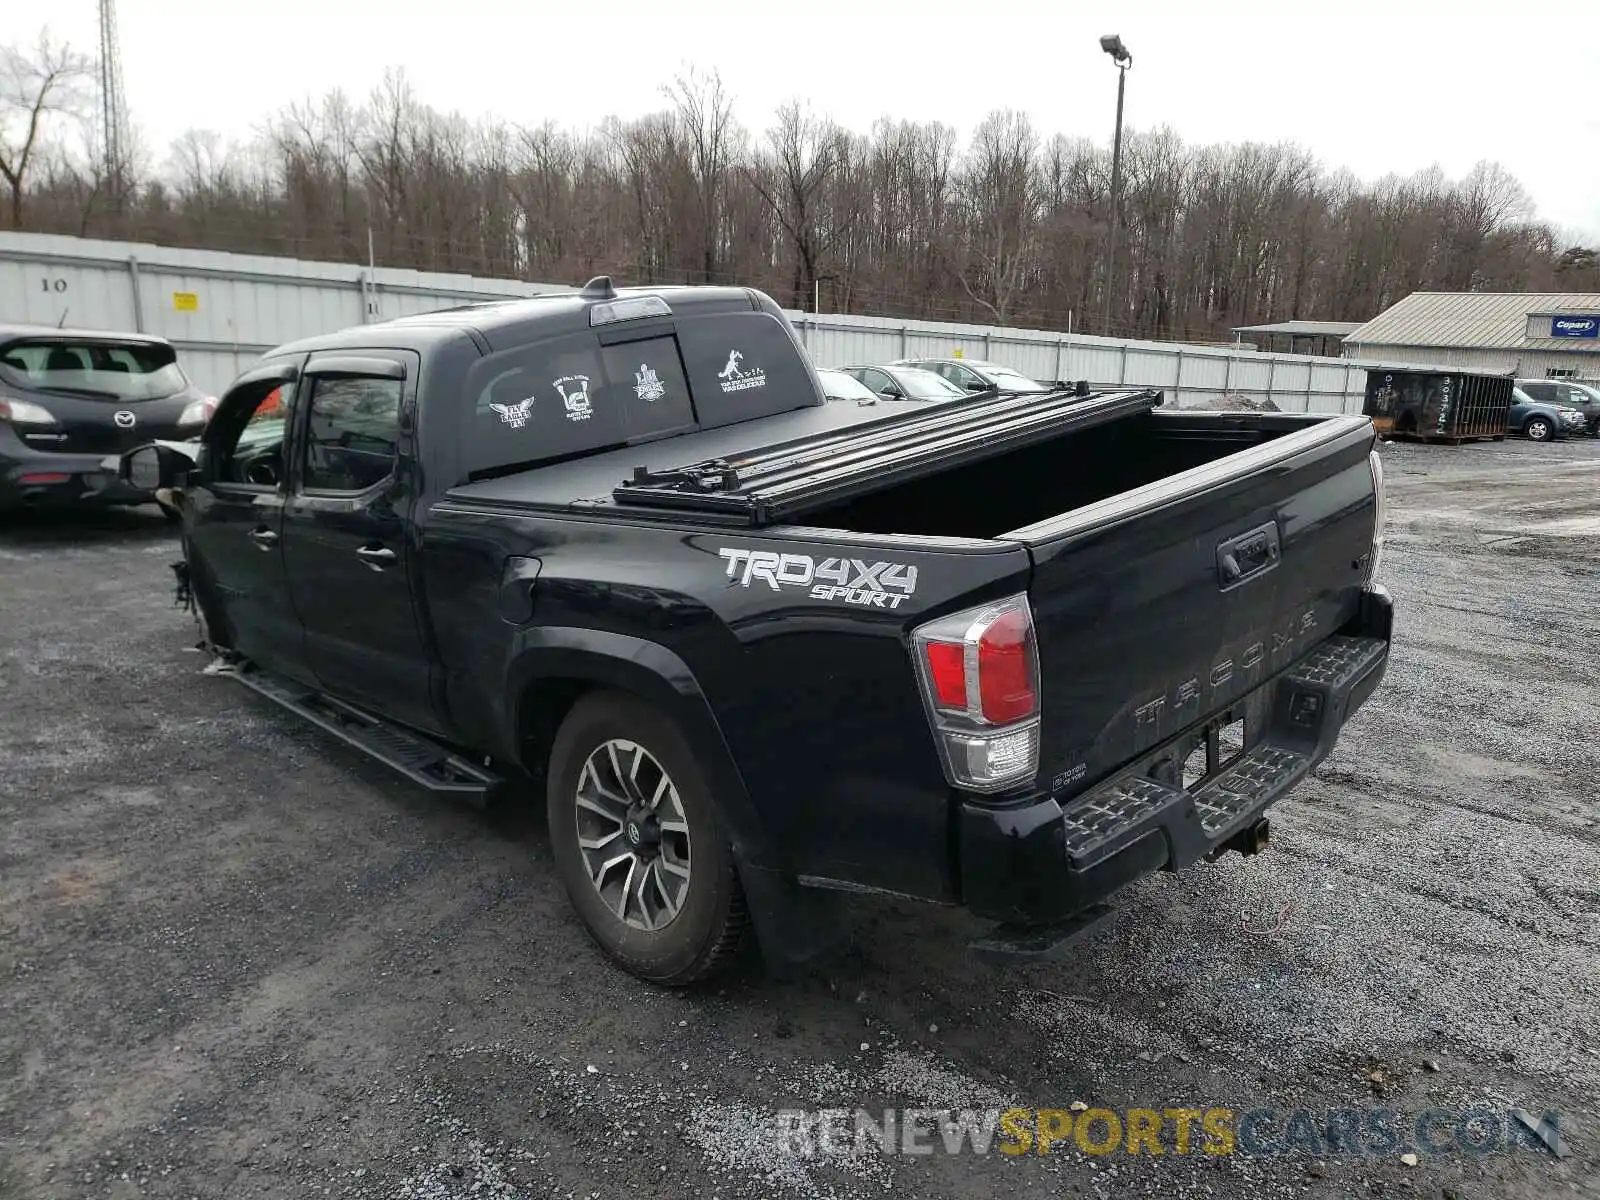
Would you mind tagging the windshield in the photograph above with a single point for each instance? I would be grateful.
(836, 385)
(1011, 380)
(925, 385)
(99, 370)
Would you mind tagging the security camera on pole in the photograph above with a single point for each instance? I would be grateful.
(1112, 45)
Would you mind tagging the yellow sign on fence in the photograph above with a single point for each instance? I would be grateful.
(186, 301)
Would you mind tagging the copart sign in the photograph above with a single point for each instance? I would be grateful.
(847, 580)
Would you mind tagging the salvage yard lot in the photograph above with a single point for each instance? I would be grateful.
(237, 959)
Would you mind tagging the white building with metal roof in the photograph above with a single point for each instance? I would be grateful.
(1527, 334)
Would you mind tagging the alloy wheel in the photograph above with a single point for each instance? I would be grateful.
(633, 834)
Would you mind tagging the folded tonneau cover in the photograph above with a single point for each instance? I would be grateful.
(777, 483)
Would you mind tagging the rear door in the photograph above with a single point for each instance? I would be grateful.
(1160, 607)
(234, 535)
(346, 531)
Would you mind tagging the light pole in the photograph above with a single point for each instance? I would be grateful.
(1112, 45)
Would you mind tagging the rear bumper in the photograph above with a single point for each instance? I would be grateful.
(1041, 861)
(37, 478)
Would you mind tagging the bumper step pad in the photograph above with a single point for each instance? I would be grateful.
(1132, 824)
(420, 760)
(1313, 698)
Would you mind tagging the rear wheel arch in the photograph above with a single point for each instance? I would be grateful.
(549, 681)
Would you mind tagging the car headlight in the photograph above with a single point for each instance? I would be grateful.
(21, 412)
(199, 412)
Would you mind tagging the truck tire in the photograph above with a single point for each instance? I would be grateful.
(639, 843)
(1538, 429)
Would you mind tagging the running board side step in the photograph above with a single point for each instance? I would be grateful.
(419, 759)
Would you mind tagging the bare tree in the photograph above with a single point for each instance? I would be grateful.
(1002, 193)
(34, 88)
(705, 119)
(804, 152)
(899, 221)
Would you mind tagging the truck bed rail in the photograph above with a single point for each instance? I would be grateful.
(779, 482)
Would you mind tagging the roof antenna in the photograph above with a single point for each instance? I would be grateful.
(599, 288)
(62, 324)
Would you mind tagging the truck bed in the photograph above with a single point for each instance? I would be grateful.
(1129, 516)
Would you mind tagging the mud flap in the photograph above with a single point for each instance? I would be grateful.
(794, 926)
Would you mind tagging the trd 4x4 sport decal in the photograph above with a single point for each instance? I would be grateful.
(870, 585)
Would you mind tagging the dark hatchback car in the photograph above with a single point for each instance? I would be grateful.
(1567, 393)
(71, 398)
(1540, 420)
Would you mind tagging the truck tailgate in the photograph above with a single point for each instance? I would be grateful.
(1158, 608)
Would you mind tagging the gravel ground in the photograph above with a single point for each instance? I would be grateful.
(239, 960)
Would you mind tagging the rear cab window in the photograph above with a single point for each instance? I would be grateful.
(601, 388)
(93, 367)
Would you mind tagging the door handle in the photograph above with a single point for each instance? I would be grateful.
(264, 538)
(376, 557)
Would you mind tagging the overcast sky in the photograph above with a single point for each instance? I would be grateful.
(1376, 87)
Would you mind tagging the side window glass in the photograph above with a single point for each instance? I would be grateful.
(646, 386)
(742, 365)
(352, 433)
(538, 401)
(254, 455)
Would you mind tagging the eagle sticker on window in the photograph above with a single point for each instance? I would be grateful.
(515, 415)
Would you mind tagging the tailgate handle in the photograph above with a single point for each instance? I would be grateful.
(1248, 555)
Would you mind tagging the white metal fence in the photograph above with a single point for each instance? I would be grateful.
(1192, 376)
(223, 310)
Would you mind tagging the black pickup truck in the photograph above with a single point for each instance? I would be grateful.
(758, 650)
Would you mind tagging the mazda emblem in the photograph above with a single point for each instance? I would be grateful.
(124, 419)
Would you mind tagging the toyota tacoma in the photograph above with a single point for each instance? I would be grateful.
(758, 651)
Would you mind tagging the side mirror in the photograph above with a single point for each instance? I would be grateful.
(141, 468)
(977, 387)
(892, 393)
(155, 465)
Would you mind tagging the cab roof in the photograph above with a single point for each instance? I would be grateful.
(501, 324)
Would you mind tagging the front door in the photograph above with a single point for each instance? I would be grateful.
(345, 528)
(234, 533)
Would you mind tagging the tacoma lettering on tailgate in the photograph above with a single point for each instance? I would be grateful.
(1175, 699)
(870, 585)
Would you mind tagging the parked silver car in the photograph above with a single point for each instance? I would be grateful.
(905, 383)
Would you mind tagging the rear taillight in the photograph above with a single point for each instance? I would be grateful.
(199, 412)
(1376, 558)
(980, 675)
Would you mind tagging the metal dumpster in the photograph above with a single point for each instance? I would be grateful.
(1437, 406)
